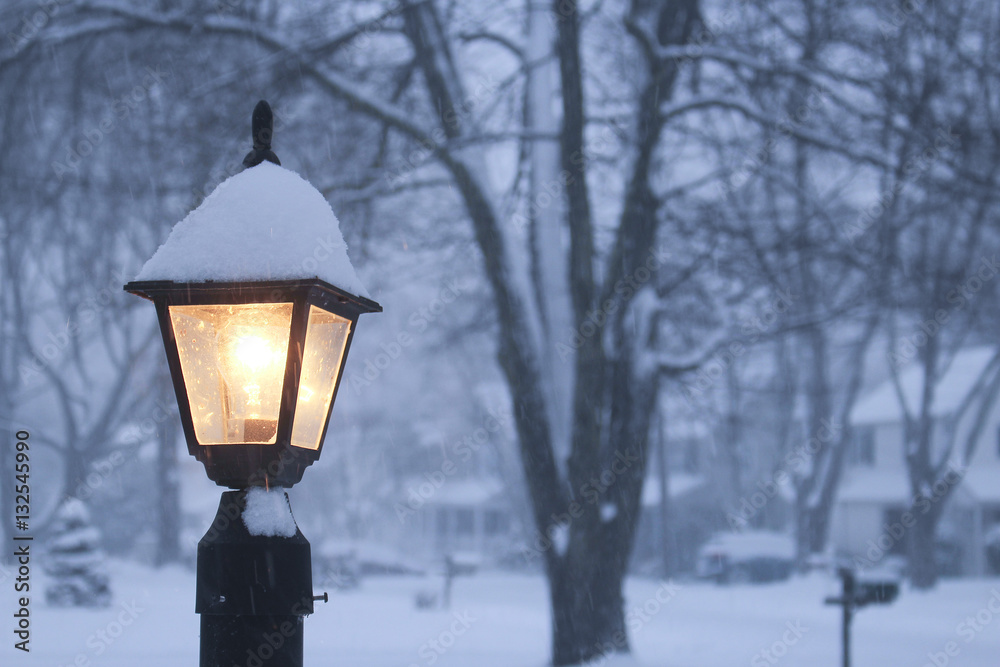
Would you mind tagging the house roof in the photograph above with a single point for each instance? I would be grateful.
(874, 485)
(891, 486)
(678, 485)
(882, 405)
(462, 492)
(983, 483)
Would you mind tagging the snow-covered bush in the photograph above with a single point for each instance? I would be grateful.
(75, 561)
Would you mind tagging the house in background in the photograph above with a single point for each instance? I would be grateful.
(875, 489)
(692, 516)
(470, 516)
(669, 535)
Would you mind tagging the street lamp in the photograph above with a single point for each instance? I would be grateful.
(257, 305)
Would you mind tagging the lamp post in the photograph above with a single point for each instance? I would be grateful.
(257, 304)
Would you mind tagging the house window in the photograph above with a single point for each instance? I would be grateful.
(495, 522)
(442, 523)
(464, 521)
(682, 455)
(691, 451)
(893, 531)
(863, 446)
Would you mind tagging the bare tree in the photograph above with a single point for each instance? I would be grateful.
(938, 238)
(782, 203)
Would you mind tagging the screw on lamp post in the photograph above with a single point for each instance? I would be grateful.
(256, 339)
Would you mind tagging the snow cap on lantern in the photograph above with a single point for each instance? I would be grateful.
(265, 223)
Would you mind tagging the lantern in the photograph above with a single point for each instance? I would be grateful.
(257, 304)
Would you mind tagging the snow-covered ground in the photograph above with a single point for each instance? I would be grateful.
(501, 620)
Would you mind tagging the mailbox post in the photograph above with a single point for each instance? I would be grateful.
(855, 594)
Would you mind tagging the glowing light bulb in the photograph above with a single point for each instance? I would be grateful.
(254, 352)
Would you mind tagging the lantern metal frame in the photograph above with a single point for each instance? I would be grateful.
(242, 465)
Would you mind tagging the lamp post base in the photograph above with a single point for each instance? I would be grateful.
(252, 592)
(252, 641)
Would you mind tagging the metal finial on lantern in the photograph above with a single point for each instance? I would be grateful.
(262, 128)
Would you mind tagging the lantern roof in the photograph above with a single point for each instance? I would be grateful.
(265, 223)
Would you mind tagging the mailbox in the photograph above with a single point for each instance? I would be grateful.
(872, 591)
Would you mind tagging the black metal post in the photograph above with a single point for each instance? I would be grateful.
(252, 592)
(848, 587)
(848, 602)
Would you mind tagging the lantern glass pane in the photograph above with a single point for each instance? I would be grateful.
(326, 337)
(233, 361)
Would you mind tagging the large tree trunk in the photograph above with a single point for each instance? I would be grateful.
(812, 526)
(812, 514)
(663, 479)
(920, 546)
(585, 580)
(587, 607)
